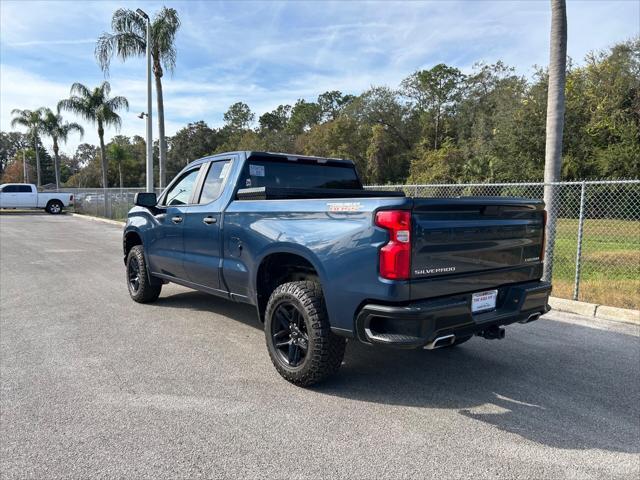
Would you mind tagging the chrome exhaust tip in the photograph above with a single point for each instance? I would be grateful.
(532, 318)
(440, 342)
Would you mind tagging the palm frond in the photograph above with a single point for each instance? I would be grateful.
(110, 118)
(164, 28)
(117, 103)
(105, 89)
(80, 90)
(125, 20)
(78, 106)
(75, 127)
(124, 45)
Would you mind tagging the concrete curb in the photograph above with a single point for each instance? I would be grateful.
(594, 310)
(98, 219)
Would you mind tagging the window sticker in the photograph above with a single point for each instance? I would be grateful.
(248, 182)
(225, 170)
(256, 170)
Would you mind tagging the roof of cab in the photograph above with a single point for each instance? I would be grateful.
(290, 156)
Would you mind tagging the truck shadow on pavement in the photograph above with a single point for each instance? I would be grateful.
(557, 384)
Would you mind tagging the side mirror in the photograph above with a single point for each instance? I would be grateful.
(145, 199)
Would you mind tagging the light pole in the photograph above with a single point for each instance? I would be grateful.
(149, 124)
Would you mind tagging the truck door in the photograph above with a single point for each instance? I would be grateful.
(27, 196)
(166, 247)
(202, 229)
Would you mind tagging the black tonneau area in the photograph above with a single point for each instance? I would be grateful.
(278, 193)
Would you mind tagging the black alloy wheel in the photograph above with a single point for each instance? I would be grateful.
(290, 336)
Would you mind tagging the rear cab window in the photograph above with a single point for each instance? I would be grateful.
(215, 181)
(299, 173)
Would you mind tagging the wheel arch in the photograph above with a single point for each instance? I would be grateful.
(130, 240)
(281, 266)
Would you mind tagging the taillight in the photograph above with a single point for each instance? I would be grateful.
(395, 256)
(71, 198)
(544, 234)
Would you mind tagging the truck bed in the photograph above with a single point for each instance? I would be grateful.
(276, 193)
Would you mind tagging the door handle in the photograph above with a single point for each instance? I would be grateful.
(176, 219)
(209, 220)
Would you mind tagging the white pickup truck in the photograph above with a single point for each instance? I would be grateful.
(26, 195)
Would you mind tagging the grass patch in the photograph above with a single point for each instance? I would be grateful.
(610, 273)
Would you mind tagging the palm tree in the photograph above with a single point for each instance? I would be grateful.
(555, 123)
(119, 154)
(96, 107)
(129, 39)
(34, 121)
(59, 130)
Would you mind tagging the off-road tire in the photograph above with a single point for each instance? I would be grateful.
(146, 292)
(54, 207)
(325, 349)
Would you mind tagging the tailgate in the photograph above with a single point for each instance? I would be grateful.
(456, 236)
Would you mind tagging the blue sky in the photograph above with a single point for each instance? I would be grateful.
(269, 53)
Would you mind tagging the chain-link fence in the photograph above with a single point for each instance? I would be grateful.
(111, 203)
(596, 249)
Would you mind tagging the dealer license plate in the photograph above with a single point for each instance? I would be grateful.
(484, 301)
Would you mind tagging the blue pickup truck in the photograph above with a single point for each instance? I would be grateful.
(324, 260)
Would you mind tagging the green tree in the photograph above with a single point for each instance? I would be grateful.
(129, 39)
(434, 90)
(33, 120)
(332, 104)
(238, 117)
(10, 144)
(97, 107)
(190, 143)
(58, 130)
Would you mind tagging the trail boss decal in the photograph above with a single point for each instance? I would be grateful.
(344, 206)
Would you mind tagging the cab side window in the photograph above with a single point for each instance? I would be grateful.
(213, 184)
(181, 191)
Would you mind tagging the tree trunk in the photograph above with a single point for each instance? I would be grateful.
(56, 161)
(35, 141)
(435, 141)
(157, 70)
(103, 160)
(555, 124)
(120, 173)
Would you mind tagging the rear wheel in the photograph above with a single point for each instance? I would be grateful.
(54, 207)
(141, 289)
(300, 342)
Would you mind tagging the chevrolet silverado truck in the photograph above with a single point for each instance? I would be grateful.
(323, 260)
(26, 196)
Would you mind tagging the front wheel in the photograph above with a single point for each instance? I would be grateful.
(141, 289)
(299, 339)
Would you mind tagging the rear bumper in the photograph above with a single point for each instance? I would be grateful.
(417, 324)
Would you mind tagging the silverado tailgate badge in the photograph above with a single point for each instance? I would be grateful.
(433, 271)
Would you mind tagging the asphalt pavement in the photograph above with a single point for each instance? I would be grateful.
(94, 385)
